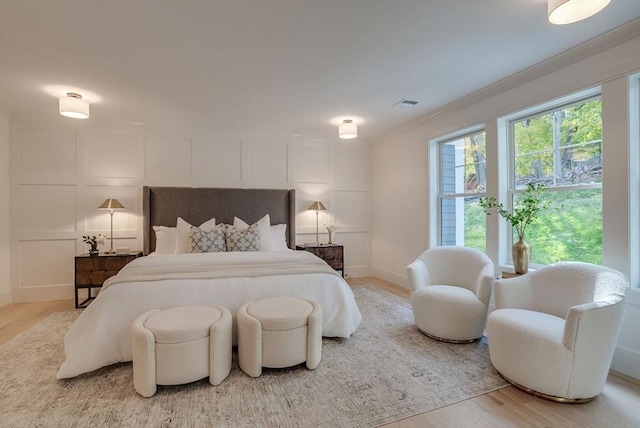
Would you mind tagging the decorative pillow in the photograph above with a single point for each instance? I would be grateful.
(279, 237)
(182, 237)
(165, 239)
(246, 240)
(263, 225)
(212, 241)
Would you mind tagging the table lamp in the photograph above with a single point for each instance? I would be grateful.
(317, 206)
(111, 205)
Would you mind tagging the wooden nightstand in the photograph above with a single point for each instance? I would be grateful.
(333, 254)
(93, 271)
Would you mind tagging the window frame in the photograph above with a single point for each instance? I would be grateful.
(510, 190)
(438, 143)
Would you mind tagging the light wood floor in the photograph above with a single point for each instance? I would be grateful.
(618, 406)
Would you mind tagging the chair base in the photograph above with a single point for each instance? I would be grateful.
(547, 396)
(442, 339)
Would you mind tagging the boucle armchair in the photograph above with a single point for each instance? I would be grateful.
(450, 292)
(554, 330)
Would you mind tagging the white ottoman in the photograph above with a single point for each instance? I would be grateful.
(180, 345)
(279, 332)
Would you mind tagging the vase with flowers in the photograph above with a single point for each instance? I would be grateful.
(331, 227)
(524, 211)
(93, 242)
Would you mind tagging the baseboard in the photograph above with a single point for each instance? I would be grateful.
(627, 362)
(356, 271)
(37, 294)
(390, 277)
(5, 298)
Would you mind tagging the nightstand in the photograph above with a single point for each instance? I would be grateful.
(333, 254)
(93, 271)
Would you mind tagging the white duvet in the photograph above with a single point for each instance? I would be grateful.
(101, 334)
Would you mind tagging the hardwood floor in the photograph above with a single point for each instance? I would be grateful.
(618, 406)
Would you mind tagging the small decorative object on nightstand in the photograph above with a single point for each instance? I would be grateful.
(333, 254)
(93, 271)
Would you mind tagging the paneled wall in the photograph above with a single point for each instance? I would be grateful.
(5, 278)
(60, 174)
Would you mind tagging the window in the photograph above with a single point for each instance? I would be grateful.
(561, 148)
(462, 180)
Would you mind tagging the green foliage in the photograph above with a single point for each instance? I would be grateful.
(555, 148)
(573, 232)
(475, 226)
(534, 138)
(525, 210)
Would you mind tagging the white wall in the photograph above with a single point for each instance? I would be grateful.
(401, 190)
(63, 169)
(5, 284)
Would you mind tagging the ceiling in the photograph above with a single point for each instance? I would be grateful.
(277, 68)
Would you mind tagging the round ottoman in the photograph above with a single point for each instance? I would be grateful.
(279, 332)
(180, 345)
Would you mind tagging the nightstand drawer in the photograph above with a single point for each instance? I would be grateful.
(93, 271)
(332, 254)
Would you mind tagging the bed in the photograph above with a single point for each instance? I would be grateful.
(101, 334)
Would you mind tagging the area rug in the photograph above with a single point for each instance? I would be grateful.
(385, 372)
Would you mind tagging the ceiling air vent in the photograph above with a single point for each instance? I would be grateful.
(405, 103)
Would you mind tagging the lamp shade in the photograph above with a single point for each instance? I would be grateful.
(74, 106)
(317, 206)
(569, 11)
(347, 130)
(111, 205)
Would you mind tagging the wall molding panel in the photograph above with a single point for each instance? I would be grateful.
(60, 175)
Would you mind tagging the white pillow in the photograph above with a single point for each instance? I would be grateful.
(264, 225)
(165, 239)
(182, 236)
(279, 237)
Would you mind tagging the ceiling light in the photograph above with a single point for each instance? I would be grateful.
(569, 11)
(348, 129)
(74, 106)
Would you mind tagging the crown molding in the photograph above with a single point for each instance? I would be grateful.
(577, 53)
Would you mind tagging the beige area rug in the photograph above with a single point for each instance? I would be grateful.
(385, 372)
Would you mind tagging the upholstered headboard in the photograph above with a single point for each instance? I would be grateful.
(163, 205)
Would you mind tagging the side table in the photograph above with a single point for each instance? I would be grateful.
(93, 271)
(332, 254)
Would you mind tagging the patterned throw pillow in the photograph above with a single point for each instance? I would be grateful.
(207, 241)
(246, 240)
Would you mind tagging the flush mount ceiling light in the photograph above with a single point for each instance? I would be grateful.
(74, 106)
(562, 12)
(347, 129)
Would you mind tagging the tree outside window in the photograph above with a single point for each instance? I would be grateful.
(562, 149)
